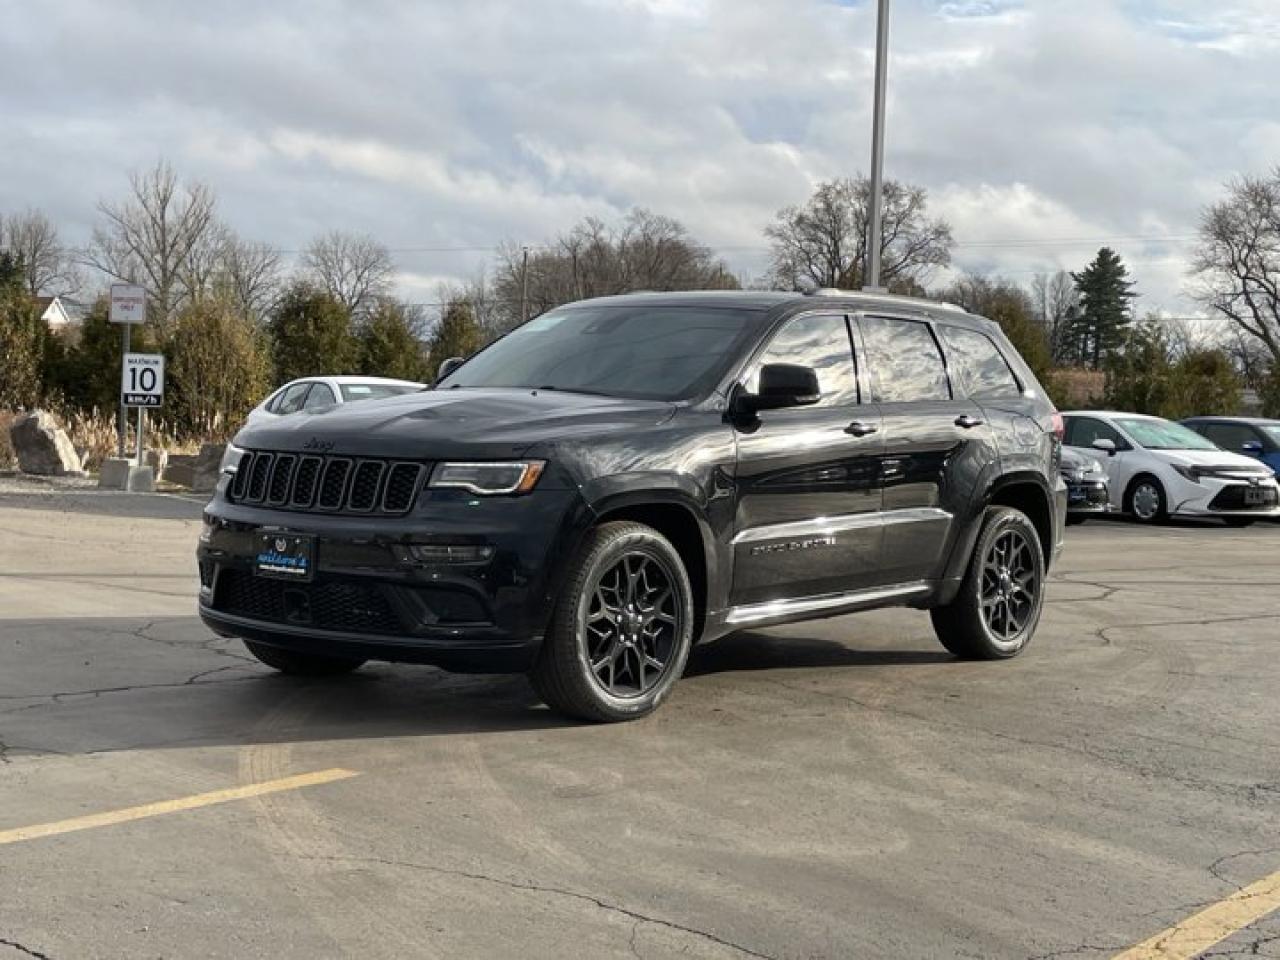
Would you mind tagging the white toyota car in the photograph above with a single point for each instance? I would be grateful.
(1158, 469)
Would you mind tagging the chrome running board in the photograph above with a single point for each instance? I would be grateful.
(831, 603)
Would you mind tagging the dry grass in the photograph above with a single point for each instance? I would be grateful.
(7, 459)
(93, 434)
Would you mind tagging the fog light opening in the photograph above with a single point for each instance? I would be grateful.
(450, 553)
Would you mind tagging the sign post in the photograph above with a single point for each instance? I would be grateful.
(142, 386)
(128, 306)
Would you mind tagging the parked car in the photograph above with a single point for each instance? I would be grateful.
(1087, 491)
(1251, 436)
(1158, 469)
(312, 393)
(613, 480)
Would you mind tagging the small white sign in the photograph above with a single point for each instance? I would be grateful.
(142, 380)
(128, 303)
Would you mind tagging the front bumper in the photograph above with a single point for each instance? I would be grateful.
(1216, 497)
(1087, 496)
(370, 597)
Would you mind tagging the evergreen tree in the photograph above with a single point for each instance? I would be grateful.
(22, 338)
(1105, 311)
(389, 346)
(311, 335)
(456, 335)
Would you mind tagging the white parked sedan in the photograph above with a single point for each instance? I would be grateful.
(312, 393)
(1158, 469)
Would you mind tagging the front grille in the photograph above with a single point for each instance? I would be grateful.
(339, 606)
(290, 481)
(1232, 498)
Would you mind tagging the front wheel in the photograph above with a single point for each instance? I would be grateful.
(622, 627)
(998, 607)
(1146, 501)
(302, 664)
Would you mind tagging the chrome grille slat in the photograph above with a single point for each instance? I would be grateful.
(330, 484)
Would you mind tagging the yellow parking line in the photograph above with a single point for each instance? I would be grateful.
(1198, 933)
(111, 817)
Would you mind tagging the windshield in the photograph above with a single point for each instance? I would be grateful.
(641, 352)
(371, 391)
(1272, 431)
(1163, 435)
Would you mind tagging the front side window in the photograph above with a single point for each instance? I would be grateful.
(1082, 431)
(820, 342)
(982, 368)
(645, 352)
(293, 398)
(905, 359)
(1157, 434)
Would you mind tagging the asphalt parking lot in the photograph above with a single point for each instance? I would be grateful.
(839, 789)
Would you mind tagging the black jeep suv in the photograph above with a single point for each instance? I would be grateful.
(616, 479)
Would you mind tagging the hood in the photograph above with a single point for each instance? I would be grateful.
(1221, 459)
(1075, 460)
(436, 424)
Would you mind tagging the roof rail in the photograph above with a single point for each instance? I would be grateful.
(882, 295)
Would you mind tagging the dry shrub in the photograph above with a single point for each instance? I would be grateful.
(1076, 389)
(8, 461)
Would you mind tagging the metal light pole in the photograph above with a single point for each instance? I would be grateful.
(871, 277)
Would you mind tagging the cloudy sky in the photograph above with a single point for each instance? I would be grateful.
(1041, 128)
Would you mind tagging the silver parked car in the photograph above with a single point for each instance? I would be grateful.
(312, 393)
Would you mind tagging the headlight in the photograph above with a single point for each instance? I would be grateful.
(230, 459)
(1188, 473)
(1075, 474)
(488, 479)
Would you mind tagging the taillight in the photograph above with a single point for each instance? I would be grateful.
(1059, 427)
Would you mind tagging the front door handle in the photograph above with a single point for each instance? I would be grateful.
(860, 429)
(968, 422)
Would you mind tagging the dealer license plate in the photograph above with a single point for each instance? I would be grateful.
(1259, 497)
(285, 556)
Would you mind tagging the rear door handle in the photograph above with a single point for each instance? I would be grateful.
(860, 429)
(968, 422)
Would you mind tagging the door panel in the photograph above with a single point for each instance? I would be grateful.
(808, 491)
(936, 447)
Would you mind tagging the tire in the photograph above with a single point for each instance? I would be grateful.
(626, 605)
(995, 614)
(301, 664)
(1239, 522)
(1145, 500)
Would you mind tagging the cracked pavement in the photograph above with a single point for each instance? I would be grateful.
(835, 789)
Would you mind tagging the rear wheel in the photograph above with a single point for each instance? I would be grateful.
(301, 664)
(1146, 501)
(622, 627)
(998, 607)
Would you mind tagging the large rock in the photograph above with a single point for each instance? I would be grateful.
(42, 446)
(204, 476)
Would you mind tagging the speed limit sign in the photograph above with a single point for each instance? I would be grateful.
(142, 380)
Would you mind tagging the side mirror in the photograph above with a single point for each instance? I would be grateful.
(1252, 447)
(448, 366)
(782, 385)
(1106, 446)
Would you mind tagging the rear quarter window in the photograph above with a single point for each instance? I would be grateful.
(983, 371)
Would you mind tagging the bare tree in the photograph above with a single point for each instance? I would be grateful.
(152, 237)
(647, 251)
(1057, 304)
(354, 269)
(823, 242)
(47, 265)
(251, 275)
(1237, 265)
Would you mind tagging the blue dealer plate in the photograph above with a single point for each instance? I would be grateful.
(285, 556)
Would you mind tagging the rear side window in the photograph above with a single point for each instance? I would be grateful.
(321, 395)
(981, 367)
(1229, 436)
(905, 359)
(821, 342)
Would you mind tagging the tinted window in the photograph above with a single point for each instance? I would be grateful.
(654, 352)
(370, 391)
(1229, 436)
(1082, 431)
(321, 395)
(292, 399)
(905, 359)
(979, 363)
(820, 342)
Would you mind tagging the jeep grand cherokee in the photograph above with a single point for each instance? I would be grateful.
(616, 479)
